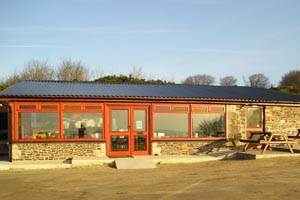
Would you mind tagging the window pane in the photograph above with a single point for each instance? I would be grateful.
(254, 118)
(27, 107)
(119, 143)
(72, 107)
(38, 125)
(181, 108)
(208, 125)
(119, 120)
(216, 109)
(202, 108)
(139, 120)
(140, 143)
(45, 107)
(162, 108)
(93, 107)
(171, 125)
(83, 125)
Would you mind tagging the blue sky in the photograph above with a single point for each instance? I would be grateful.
(167, 39)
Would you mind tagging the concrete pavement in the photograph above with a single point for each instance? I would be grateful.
(88, 161)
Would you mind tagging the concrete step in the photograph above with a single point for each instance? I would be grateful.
(134, 163)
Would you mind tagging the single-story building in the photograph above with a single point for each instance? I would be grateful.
(53, 120)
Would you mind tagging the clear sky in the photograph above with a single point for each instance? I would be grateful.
(168, 39)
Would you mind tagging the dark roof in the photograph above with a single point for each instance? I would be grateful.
(62, 89)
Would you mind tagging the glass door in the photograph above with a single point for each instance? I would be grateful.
(128, 130)
(140, 131)
(119, 132)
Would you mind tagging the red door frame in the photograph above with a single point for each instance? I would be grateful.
(130, 133)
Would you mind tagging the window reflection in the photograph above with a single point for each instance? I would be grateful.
(254, 117)
(119, 120)
(37, 125)
(171, 125)
(139, 120)
(119, 143)
(82, 125)
(140, 143)
(208, 125)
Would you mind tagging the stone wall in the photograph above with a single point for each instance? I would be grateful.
(56, 150)
(186, 147)
(236, 121)
(279, 119)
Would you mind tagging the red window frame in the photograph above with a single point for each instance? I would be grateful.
(37, 107)
(172, 109)
(82, 109)
(209, 109)
(190, 109)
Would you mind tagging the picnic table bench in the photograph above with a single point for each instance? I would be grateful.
(295, 136)
(267, 139)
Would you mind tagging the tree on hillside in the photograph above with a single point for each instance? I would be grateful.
(292, 78)
(129, 79)
(288, 89)
(12, 79)
(38, 70)
(96, 73)
(137, 73)
(3, 85)
(258, 80)
(69, 70)
(33, 70)
(228, 81)
(189, 81)
(199, 79)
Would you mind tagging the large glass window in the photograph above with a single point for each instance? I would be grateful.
(82, 125)
(208, 125)
(168, 125)
(38, 125)
(254, 117)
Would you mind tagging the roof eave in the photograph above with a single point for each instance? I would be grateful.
(148, 98)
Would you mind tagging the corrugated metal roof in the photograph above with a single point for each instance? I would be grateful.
(177, 91)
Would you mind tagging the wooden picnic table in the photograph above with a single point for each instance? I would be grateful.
(295, 136)
(255, 138)
(267, 139)
(277, 138)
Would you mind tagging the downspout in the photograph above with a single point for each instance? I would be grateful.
(264, 118)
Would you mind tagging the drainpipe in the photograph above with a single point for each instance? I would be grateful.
(264, 118)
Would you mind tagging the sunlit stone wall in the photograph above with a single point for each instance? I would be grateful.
(235, 122)
(56, 150)
(187, 147)
(282, 119)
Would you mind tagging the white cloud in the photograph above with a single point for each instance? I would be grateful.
(220, 51)
(30, 46)
(200, 2)
(91, 29)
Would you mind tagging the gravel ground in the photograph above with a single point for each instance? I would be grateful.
(272, 178)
